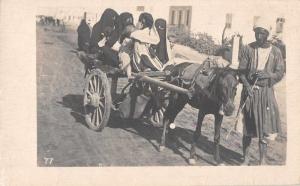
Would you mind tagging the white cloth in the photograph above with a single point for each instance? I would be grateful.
(146, 35)
(145, 38)
(262, 56)
(262, 22)
(116, 46)
(102, 42)
(125, 52)
(143, 49)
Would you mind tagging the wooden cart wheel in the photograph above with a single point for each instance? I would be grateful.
(97, 100)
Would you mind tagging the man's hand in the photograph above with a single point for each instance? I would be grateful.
(261, 75)
(249, 90)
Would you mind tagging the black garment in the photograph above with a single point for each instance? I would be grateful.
(84, 32)
(109, 19)
(125, 20)
(146, 19)
(161, 47)
(280, 44)
(110, 57)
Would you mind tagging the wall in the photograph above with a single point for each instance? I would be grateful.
(207, 16)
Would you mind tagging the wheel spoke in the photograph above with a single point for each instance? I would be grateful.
(101, 104)
(95, 83)
(96, 116)
(98, 84)
(91, 86)
(100, 113)
(88, 92)
(100, 91)
(93, 118)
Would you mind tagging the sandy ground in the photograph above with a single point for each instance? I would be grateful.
(64, 138)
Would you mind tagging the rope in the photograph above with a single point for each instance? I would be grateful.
(239, 111)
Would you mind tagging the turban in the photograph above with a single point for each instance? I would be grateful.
(263, 23)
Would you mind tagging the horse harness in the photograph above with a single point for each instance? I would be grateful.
(201, 75)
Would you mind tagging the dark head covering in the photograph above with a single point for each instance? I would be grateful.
(146, 19)
(126, 25)
(161, 47)
(126, 19)
(109, 18)
(84, 32)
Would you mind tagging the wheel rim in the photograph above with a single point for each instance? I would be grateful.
(94, 102)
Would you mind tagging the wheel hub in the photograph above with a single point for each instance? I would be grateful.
(94, 100)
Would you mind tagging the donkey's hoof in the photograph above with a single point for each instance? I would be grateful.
(192, 161)
(161, 148)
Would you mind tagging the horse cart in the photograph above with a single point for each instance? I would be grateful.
(147, 91)
(159, 96)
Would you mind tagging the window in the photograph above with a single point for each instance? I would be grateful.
(140, 8)
(187, 17)
(179, 18)
(173, 17)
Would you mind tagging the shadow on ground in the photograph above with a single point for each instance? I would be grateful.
(151, 133)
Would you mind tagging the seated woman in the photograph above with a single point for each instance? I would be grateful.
(160, 52)
(105, 34)
(163, 48)
(126, 48)
(144, 36)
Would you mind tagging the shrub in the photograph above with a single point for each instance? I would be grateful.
(202, 42)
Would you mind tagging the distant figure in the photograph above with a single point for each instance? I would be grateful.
(84, 33)
(57, 22)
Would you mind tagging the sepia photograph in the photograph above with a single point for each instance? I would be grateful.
(146, 92)
(167, 85)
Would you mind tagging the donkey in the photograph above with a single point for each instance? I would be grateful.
(220, 92)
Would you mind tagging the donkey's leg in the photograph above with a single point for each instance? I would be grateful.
(175, 106)
(196, 135)
(218, 122)
(163, 137)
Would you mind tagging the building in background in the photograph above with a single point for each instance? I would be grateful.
(189, 15)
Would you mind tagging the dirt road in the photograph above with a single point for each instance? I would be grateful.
(65, 140)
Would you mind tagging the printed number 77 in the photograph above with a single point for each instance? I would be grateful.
(48, 161)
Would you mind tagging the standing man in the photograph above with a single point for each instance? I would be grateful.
(260, 62)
